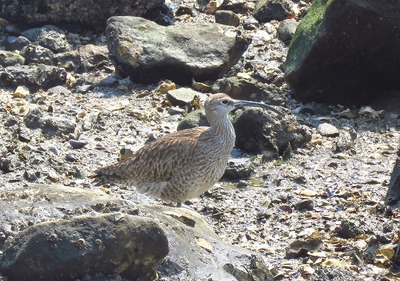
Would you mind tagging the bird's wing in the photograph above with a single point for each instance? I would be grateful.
(158, 160)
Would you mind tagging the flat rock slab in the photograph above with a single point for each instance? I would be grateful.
(195, 251)
(69, 249)
(147, 52)
(87, 12)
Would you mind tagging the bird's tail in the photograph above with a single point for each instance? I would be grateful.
(107, 175)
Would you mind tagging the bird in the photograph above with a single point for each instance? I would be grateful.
(184, 164)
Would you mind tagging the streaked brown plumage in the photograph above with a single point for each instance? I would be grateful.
(184, 164)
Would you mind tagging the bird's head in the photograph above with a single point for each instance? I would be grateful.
(222, 104)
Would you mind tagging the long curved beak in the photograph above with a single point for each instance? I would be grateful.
(242, 103)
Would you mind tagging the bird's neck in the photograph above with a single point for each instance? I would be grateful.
(222, 128)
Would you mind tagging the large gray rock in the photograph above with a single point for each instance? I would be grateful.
(88, 12)
(148, 52)
(195, 251)
(69, 249)
(345, 51)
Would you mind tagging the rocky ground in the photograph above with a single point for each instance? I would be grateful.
(315, 213)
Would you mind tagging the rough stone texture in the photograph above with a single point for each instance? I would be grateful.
(48, 36)
(248, 88)
(37, 119)
(393, 194)
(8, 58)
(345, 51)
(267, 10)
(147, 52)
(69, 249)
(184, 96)
(286, 29)
(33, 76)
(195, 251)
(258, 131)
(87, 12)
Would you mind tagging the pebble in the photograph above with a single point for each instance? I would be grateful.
(76, 144)
(328, 130)
(305, 205)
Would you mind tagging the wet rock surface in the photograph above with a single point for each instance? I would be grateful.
(306, 205)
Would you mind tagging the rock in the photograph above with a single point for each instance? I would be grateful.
(76, 144)
(184, 10)
(248, 88)
(93, 56)
(328, 130)
(51, 125)
(184, 96)
(300, 248)
(238, 169)
(356, 41)
(346, 140)
(147, 52)
(259, 132)
(8, 58)
(13, 43)
(92, 13)
(348, 229)
(305, 205)
(392, 197)
(70, 249)
(37, 54)
(59, 90)
(193, 119)
(48, 36)
(286, 29)
(227, 18)
(267, 10)
(35, 77)
(250, 23)
(161, 14)
(195, 251)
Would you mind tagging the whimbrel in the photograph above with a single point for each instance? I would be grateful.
(184, 164)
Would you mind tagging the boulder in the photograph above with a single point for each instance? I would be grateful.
(69, 249)
(147, 52)
(195, 251)
(86, 12)
(345, 51)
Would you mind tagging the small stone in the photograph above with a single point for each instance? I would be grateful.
(348, 229)
(71, 158)
(184, 10)
(305, 205)
(227, 18)
(76, 144)
(21, 92)
(241, 184)
(328, 130)
(286, 29)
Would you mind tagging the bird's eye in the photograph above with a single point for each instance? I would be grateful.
(225, 101)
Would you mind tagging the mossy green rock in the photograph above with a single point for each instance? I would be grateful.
(345, 51)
